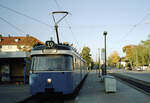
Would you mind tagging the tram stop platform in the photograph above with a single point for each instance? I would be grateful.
(142, 76)
(93, 92)
(12, 93)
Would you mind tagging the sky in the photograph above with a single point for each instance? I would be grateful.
(126, 21)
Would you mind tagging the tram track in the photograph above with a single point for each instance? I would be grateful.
(140, 85)
(55, 98)
(47, 99)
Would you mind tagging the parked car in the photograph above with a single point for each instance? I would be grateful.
(141, 68)
(144, 67)
(138, 68)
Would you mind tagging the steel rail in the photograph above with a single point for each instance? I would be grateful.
(138, 84)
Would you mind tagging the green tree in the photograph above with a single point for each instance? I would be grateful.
(145, 51)
(85, 54)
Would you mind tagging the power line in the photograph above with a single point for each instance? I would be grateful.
(72, 32)
(57, 4)
(143, 19)
(13, 26)
(29, 17)
(59, 7)
(134, 26)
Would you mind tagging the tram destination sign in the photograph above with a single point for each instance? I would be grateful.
(51, 51)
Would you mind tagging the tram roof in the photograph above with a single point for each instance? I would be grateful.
(58, 47)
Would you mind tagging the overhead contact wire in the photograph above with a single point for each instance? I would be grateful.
(29, 17)
(13, 26)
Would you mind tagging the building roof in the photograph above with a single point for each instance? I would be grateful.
(12, 40)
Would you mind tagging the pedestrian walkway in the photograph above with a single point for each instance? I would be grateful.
(93, 92)
(13, 93)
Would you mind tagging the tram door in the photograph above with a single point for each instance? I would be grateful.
(5, 72)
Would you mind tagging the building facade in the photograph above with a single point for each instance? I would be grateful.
(15, 58)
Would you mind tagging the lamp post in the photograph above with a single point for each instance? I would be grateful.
(105, 33)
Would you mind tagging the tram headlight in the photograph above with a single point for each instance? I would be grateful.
(49, 80)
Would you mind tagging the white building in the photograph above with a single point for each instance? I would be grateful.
(13, 44)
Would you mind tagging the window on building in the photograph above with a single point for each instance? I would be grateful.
(16, 40)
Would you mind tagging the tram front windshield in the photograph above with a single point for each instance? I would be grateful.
(52, 63)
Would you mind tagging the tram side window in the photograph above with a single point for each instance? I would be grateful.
(68, 62)
(76, 64)
(32, 63)
(81, 65)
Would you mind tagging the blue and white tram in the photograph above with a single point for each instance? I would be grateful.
(56, 69)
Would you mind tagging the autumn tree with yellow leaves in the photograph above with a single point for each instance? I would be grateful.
(114, 58)
(138, 55)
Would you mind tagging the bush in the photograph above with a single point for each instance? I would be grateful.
(117, 66)
(121, 66)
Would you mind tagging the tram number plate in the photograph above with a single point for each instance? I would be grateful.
(50, 44)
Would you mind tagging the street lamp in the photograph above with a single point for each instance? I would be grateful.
(105, 33)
